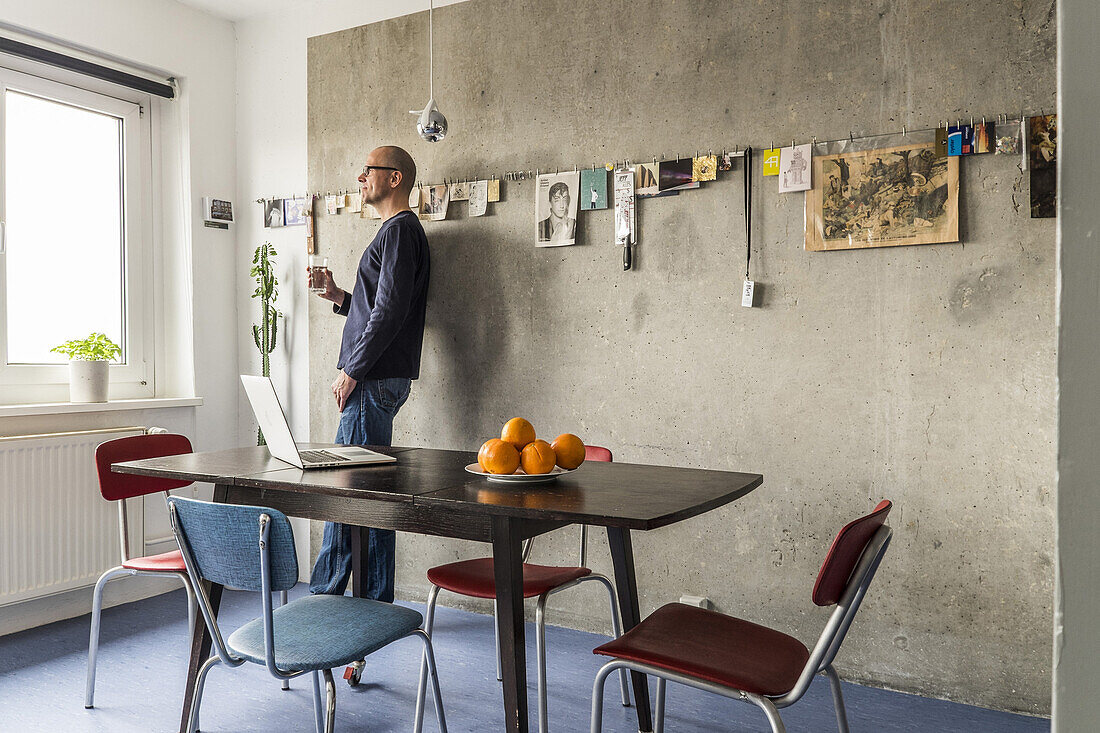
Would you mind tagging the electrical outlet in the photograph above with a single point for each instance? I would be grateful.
(698, 601)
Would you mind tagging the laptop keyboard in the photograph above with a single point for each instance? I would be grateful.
(320, 456)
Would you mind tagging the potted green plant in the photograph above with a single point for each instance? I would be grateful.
(88, 362)
(267, 291)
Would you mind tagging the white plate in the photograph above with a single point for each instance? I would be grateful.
(519, 477)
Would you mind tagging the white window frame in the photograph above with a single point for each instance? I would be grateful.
(22, 383)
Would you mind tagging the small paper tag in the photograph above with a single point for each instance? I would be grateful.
(746, 293)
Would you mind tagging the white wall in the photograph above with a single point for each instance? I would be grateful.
(199, 50)
(1076, 706)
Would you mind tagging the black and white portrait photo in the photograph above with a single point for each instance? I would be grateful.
(556, 209)
(273, 213)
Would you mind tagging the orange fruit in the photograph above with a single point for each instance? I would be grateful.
(538, 457)
(518, 432)
(569, 450)
(497, 456)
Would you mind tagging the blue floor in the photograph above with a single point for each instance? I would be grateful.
(143, 660)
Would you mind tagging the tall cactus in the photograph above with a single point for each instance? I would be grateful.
(267, 290)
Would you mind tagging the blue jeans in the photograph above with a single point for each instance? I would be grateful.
(367, 419)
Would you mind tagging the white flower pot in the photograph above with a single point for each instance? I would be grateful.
(88, 381)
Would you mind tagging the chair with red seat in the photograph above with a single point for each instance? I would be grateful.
(738, 659)
(475, 578)
(119, 487)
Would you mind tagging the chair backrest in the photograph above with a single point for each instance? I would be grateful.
(596, 453)
(115, 486)
(844, 554)
(223, 543)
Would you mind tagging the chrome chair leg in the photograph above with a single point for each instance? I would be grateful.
(617, 629)
(597, 695)
(769, 710)
(429, 661)
(318, 714)
(330, 708)
(282, 602)
(429, 622)
(200, 684)
(659, 713)
(540, 659)
(192, 609)
(838, 699)
(93, 637)
(496, 638)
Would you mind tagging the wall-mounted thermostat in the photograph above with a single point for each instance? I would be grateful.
(217, 213)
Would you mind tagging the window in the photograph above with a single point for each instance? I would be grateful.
(74, 190)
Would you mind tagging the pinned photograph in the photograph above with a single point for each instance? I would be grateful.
(725, 162)
(883, 198)
(414, 198)
(434, 201)
(794, 168)
(294, 212)
(556, 197)
(771, 162)
(273, 213)
(704, 168)
(674, 174)
(983, 138)
(479, 197)
(1042, 163)
(960, 140)
(941, 142)
(593, 189)
(460, 191)
(353, 202)
(493, 193)
(646, 179)
(330, 204)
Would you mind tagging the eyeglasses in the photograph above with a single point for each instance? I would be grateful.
(368, 168)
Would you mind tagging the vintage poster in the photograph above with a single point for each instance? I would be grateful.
(704, 168)
(625, 221)
(794, 168)
(883, 198)
(556, 197)
(434, 201)
(593, 189)
(479, 197)
(1042, 147)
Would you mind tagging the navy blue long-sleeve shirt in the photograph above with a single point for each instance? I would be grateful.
(385, 328)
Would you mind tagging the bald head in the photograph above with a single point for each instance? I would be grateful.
(395, 157)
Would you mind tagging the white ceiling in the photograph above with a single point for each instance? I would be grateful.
(235, 10)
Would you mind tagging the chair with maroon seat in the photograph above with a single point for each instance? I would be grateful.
(738, 659)
(475, 578)
(120, 487)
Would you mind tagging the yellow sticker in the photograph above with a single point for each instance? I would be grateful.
(771, 162)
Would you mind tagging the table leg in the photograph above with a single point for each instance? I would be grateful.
(200, 635)
(360, 555)
(622, 558)
(508, 569)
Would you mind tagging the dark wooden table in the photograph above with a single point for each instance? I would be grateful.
(428, 491)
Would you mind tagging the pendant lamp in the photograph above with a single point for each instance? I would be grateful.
(430, 124)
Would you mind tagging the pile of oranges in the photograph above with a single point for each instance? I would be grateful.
(518, 447)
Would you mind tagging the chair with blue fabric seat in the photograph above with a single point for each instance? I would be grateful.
(252, 548)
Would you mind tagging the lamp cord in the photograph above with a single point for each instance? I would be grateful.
(431, 52)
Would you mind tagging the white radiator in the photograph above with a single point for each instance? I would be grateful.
(56, 531)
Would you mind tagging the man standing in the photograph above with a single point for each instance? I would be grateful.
(379, 352)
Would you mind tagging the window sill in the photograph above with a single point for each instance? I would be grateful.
(62, 408)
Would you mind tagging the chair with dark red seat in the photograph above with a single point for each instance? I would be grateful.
(738, 659)
(475, 578)
(119, 487)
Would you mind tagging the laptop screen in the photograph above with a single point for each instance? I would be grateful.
(269, 414)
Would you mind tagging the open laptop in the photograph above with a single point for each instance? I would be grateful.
(269, 413)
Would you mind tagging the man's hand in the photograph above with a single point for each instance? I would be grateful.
(331, 291)
(341, 388)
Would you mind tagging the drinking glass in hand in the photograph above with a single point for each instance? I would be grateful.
(318, 272)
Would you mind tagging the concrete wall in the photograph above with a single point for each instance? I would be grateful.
(922, 374)
(1076, 641)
